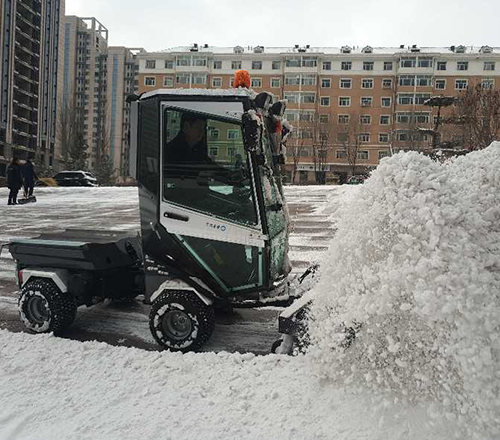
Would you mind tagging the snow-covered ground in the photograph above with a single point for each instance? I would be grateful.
(52, 387)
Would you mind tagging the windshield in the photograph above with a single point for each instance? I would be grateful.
(206, 167)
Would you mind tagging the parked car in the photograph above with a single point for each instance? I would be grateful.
(355, 180)
(75, 178)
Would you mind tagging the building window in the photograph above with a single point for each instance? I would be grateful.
(420, 98)
(462, 65)
(233, 134)
(323, 119)
(256, 82)
(405, 98)
(383, 138)
(345, 83)
(182, 78)
(344, 101)
(346, 65)
(407, 80)
(169, 64)
(216, 82)
(275, 83)
(341, 154)
(292, 97)
(365, 119)
(217, 64)
(213, 134)
(308, 80)
(383, 153)
(441, 65)
(327, 65)
(489, 65)
(368, 65)
(168, 81)
(425, 62)
(387, 65)
(363, 154)
(403, 117)
(487, 84)
(276, 65)
(402, 136)
(308, 98)
(150, 81)
(199, 79)
(408, 62)
(424, 80)
(292, 62)
(326, 83)
(385, 119)
(256, 65)
(292, 80)
(325, 101)
(236, 65)
(387, 83)
(366, 101)
(344, 119)
(199, 61)
(213, 152)
(367, 83)
(183, 60)
(440, 84)
(150, 64)
(422, 118)
(309, 62)
(460, 84)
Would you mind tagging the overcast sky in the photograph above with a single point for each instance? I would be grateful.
(160, 24)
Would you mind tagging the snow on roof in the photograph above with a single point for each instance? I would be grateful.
(416, 262)
(201, 92)
(302, 51)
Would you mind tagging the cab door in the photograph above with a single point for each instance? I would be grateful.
(208, 197)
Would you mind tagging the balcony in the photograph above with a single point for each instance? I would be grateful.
(26, 21)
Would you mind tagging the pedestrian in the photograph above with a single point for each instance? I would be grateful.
(14, 180)
(30, 177)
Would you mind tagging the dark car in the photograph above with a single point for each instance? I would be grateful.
(357, 179)
(75, 178)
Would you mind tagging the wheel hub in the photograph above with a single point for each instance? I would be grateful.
(177, 325)
(38, 310)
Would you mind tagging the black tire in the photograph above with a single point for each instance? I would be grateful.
(43, 308)
(181, 321)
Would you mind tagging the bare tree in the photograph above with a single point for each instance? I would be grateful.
(104, 169)
(322, 133)
(350, 137)
(476, 116)
(71, 136)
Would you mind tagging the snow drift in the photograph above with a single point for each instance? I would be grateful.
(416, 264)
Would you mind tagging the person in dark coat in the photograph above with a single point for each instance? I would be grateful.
(14, 180)
(30, 177)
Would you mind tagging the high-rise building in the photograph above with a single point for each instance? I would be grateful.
(29, 70)
(96, 80)
(336, 97)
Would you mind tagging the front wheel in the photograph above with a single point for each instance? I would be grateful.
(43, 308)
(181, 321)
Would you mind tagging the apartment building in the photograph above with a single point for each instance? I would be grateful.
(369, 97)
(97, 78)
(30, 32)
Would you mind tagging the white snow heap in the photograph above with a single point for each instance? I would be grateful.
(416, 262)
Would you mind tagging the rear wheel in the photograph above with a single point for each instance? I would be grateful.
(43, 308)
(181, 321)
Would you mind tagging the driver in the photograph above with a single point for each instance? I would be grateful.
(189, 146)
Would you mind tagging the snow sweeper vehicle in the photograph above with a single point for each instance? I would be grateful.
(214, 223)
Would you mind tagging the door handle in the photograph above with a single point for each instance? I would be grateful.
(175, 216)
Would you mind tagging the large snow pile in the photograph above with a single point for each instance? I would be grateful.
(415, 266)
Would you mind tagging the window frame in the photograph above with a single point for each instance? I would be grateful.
(461, 80)
(146, 78)
(327, 99)
(345, 79)
(369, 81)
(348, 100)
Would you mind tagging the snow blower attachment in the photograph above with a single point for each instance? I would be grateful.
(214, 223)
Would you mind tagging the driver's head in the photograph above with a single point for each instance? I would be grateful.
(193, 127)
